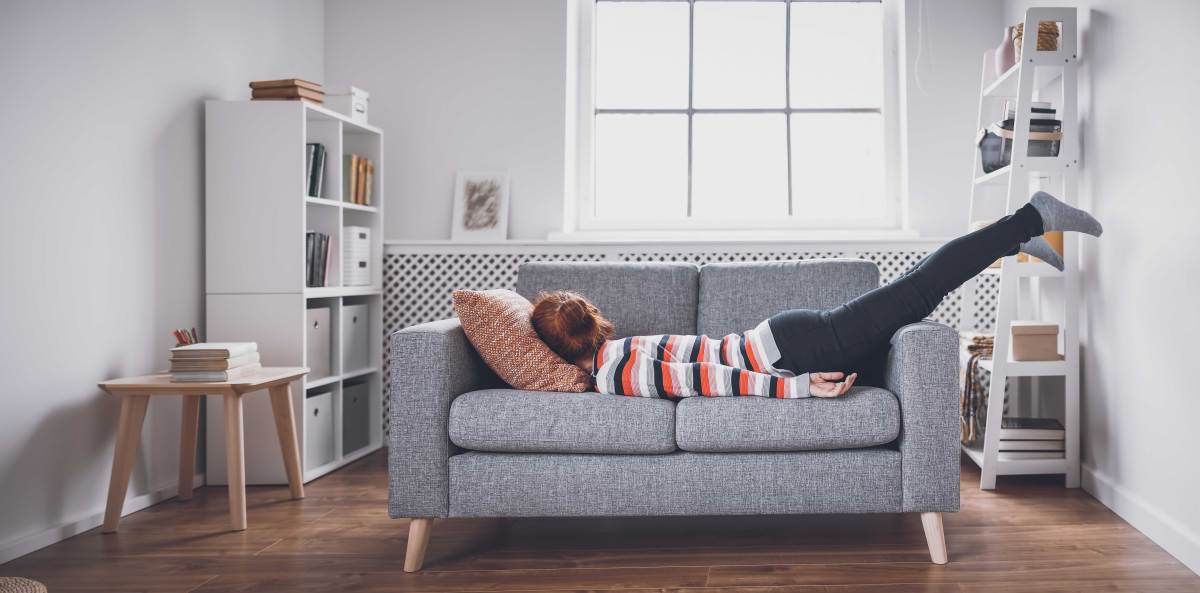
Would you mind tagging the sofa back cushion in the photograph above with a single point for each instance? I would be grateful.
(498, 326)
(640, 299)
(735, 297)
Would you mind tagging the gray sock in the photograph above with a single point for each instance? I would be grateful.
(1039, 248)
(1057, 216)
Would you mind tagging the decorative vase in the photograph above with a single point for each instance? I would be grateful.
(1006, 56)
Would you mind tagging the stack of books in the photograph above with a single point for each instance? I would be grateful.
(314, 172)
(360, 178)
(1032, 438)
(289, 89)
(316, 261)
(212, 362)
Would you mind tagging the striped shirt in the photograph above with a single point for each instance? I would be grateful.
(673, 366)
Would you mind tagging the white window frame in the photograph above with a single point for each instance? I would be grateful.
(579, 213)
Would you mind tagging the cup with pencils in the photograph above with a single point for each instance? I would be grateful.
(184, 337)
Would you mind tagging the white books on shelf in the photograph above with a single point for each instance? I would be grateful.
(215, 376)
(356, 255)
(212, 364)
(1020, 455)
(1031, 445)
(219, 350)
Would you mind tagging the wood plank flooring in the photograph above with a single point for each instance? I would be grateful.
(1028, 536)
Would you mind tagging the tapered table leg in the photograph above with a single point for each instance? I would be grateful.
(188, 434)
(235, 461)
(285, 426)
(129, 434)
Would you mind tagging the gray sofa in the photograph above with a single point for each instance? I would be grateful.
(462, 444)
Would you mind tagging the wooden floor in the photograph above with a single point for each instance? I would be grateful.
(1028, 536)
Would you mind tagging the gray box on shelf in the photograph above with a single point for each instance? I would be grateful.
(356, 338)
(356, 416)
(318, 429)
(317, 346)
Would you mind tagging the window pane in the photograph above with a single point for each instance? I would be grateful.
(641, 54)
(837, 54)
(739, 54)
(837, 166)
(739, 167)
(641, 166)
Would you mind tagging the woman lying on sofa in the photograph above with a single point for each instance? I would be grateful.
(799, 352)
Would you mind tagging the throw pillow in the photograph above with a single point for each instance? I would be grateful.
(497, 324)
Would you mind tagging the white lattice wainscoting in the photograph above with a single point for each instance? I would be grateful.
(419, 276)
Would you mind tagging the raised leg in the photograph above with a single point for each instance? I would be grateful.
(188, 432)
(285, 427)
(935, 537)
(129, 434)
(235, 461)
(418, 540)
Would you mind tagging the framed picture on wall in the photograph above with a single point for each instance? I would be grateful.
(480, 207)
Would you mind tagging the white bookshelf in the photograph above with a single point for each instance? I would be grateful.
(257, 212)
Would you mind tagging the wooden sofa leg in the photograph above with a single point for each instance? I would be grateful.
(935, 537)
(418, 540)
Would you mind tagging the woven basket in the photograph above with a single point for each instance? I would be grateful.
(1047, 39)
(20, 585)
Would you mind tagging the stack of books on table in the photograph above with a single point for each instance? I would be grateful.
(214, 362)
(1032, 438)
(289, 89)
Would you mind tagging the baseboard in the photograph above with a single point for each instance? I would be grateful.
(1176, 539)
(23, 545)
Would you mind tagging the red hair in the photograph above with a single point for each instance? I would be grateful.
(569, 324)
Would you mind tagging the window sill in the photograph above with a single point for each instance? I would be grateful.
(765, 236)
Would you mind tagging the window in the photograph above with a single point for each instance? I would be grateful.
(736, 114)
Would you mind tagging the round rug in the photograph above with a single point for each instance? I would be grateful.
(20, 585)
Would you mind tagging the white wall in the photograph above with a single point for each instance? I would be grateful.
(459, 84)
(469, 84)
(101, 236)
(1137, 103)
(943, 106)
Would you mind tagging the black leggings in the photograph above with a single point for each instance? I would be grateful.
(855, 337)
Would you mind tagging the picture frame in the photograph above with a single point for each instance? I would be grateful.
(480, 206)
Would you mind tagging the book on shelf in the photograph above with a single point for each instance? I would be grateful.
(213, 350)
(1021, 455)
(316, 259)
(314, 174)
(1044, 445)
(212, 364)
(360, 177)
(215, 376)
(287, 83)
(1031, 429)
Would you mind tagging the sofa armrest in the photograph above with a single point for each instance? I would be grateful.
(431, 364)
(922, 371)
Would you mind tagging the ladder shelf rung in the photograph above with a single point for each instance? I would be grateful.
(1028, 368)
(997, 176)
(1028, 269)
(1006, 85)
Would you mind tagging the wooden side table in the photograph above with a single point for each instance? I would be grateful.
(135, 395)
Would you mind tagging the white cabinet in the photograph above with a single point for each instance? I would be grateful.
(257, 214)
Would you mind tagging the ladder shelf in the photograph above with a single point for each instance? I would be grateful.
(1040, 75)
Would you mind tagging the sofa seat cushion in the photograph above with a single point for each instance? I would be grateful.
(516, 421)
(865, 417)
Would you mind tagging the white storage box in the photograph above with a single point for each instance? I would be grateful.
(356, 256)
(317, 349)
(318, 429)
(356, 337)
(352, 103)
(356, 417)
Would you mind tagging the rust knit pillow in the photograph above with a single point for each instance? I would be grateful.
(497, 324)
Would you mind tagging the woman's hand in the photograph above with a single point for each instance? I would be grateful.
(830, 384)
